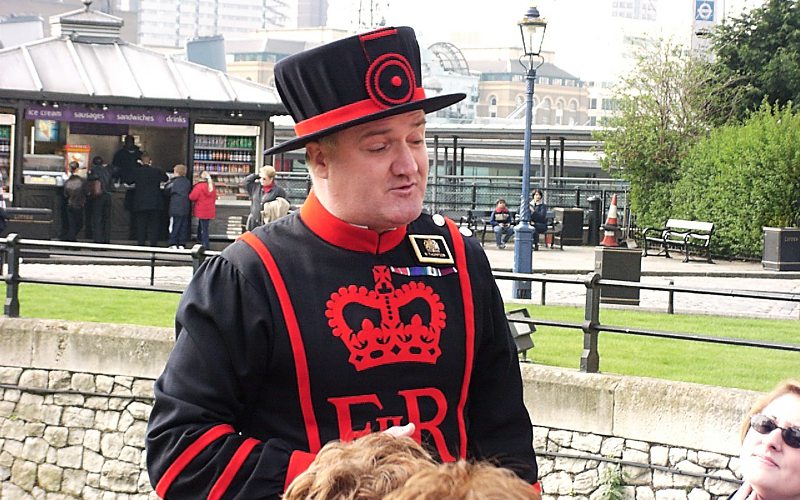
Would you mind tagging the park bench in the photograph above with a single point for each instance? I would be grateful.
(687, 236)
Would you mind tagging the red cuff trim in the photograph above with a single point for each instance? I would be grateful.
(298, 463)
(537, 486)
(345, 114)
(225, 479)
(188, 455)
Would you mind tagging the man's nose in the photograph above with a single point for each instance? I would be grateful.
(405, 162)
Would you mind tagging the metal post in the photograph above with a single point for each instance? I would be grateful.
(11, 308)
(546, 167)
(474, 196)
(543, 298)
(590, 358)
(152, 268)
(198, 256)
(671, 299)
(523, 235)
(435, 173)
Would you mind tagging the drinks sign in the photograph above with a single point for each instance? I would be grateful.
(121, 116)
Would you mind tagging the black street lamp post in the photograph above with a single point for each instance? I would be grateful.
(532, 28)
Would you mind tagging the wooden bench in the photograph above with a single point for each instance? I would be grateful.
(687, 236)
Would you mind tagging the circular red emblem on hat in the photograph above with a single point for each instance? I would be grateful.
(390, 80)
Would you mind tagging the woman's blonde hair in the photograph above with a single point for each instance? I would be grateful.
(365, 469)
(267, 171)
(179, 169)
(788, 386)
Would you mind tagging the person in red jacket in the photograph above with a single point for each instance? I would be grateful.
(204, 196)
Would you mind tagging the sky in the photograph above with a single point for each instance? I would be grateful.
(581, 33)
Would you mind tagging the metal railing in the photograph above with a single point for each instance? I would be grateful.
(13, 248)
(591, 327)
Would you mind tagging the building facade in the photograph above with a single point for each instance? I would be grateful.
(170, 23)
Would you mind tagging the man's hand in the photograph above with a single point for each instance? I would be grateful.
(401, 430)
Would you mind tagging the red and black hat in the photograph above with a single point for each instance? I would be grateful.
(352, 81)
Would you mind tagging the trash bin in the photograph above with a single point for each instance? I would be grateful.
(33, 223)
(571, 222)
(595, 216)
(781, 249)
(618, 263)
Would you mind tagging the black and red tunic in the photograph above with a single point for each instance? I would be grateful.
(310, 329)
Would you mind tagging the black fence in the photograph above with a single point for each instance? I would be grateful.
(17, 251)
(462, 193)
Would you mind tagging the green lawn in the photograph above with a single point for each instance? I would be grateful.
(701, 362)
(726, 366)
(97, 304)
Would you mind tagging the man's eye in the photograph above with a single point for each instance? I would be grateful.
(376, 148)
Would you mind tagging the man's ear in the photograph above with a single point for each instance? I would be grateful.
(316, 159)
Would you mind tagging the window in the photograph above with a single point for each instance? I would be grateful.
(492, 106)
(593, 103)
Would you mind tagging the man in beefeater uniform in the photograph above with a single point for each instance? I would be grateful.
(355, 315)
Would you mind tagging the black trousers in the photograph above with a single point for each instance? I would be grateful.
(101, 218)
(74, 223)
(148, 225)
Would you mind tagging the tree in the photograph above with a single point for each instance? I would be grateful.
(758, 55)
(663, 106)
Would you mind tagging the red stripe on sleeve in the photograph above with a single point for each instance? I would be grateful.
(221, 486)
(469, 328)
(188, 455)
(298, 349)
(298, 463)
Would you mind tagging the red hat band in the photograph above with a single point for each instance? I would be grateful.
(347, 113)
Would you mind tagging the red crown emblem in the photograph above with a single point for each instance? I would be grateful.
(391, 341)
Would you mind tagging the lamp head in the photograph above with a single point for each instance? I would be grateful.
(532, 28)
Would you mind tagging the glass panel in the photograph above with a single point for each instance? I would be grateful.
(15, 74)
(56, 68)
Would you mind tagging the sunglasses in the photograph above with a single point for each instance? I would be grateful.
(765, 425)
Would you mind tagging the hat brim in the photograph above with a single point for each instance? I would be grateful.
(428, 105)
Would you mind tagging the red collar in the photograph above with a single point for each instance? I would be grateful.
(342, 234)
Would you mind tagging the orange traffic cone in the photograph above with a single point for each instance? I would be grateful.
(611, 227)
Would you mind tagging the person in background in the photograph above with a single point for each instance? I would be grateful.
(125, 162)
(180, 207)
(99, 182)
(147, 203)
(357, 314)
(75, 194)
(204, 196)
(769, 460)
(501, 223)
(538, 216)
(262, 189)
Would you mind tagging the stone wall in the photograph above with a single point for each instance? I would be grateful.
(75, 398)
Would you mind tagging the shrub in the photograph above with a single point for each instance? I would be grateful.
(743, 177)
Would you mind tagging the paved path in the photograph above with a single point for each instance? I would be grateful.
(571, 262)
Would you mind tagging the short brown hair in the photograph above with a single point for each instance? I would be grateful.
(464, 480)
(179, 169)
(365, 469)
(788, 386)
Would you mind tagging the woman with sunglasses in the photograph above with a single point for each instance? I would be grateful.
(770, 456)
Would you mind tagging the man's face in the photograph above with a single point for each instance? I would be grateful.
(374, 174)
